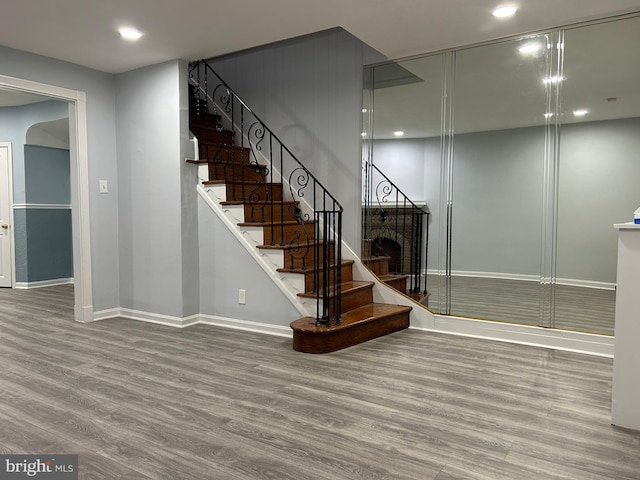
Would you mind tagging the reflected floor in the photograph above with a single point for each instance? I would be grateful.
(577, 308)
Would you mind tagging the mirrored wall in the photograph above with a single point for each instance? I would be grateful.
(524, 152)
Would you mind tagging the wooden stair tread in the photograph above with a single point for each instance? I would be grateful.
(378, 258)
(274, 202)
(358, 325)
(392, 276)
(311, 269)
(288, 246)
(238, 182)
(274, 224)
(350, 319)
(350, 286)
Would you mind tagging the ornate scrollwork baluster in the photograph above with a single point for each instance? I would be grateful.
(300, 245)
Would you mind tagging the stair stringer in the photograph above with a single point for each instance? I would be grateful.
(290, 284)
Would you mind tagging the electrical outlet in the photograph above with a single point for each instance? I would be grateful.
(242, 297)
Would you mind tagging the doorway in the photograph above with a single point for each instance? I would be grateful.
(83, 308)
(6, 220)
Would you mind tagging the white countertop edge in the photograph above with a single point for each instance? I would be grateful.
(627, 226)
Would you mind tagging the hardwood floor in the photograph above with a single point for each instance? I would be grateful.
(580, 309)
(144, 401)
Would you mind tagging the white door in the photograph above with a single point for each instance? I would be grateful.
(6, 265)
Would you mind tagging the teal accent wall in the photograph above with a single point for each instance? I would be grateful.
(47, 175)
(43, 239)
(46, 244)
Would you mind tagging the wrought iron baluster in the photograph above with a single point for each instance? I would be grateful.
(209, 87)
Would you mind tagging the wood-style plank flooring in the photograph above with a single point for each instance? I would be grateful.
(139, 401)
(580, 309)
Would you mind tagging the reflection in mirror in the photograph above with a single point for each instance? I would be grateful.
(500, 101)
(525, 154)
(401, 171)
(598, 168)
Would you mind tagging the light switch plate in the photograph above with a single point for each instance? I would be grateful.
(104, 186)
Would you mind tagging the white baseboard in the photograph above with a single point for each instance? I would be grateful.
(587, 343)
(278, 330)
(590, 344)
(44, 283)
(177, 322)
(573, 282)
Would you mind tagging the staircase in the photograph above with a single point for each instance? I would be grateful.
(300, 223)
(395, 232)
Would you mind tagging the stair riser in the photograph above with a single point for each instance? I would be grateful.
(346, 276)
(356, 298)
(236, 172)
(352, 299)
(210, 135)
(399, 284)
(254, 192)
(222, 154)
(378, 265)
(268, 212)
(275, 234)
(305, 256)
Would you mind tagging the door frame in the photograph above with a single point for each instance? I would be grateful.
(12, 250)
(80, 217)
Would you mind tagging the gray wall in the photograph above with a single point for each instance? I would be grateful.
(226, 267)
(498, 195)
(14, 125)
(497, 201)
(100, 90)
(308, 91)
(150, 165)
(599, 173)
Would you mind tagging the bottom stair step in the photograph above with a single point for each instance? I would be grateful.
(359, 325)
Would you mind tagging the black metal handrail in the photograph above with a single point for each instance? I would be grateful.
(278, 192)
(393, 216)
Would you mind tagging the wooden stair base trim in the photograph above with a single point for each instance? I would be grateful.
(358, 326)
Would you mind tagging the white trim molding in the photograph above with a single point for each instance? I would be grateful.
(203, 319)
(79, 163)
(41, 206)
(572, 282)
(44, 283)
(591, 344)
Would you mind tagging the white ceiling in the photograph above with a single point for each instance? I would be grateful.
(497, 87)
(84, 31)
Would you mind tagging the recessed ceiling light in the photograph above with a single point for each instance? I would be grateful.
(398, 133)
(129, 33)
(580, 113)
(364, 110)
(504, 11)
(364, 134)
(553, 79)
(529, 47)
(548, 115)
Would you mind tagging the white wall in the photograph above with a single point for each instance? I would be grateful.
(100, 90)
